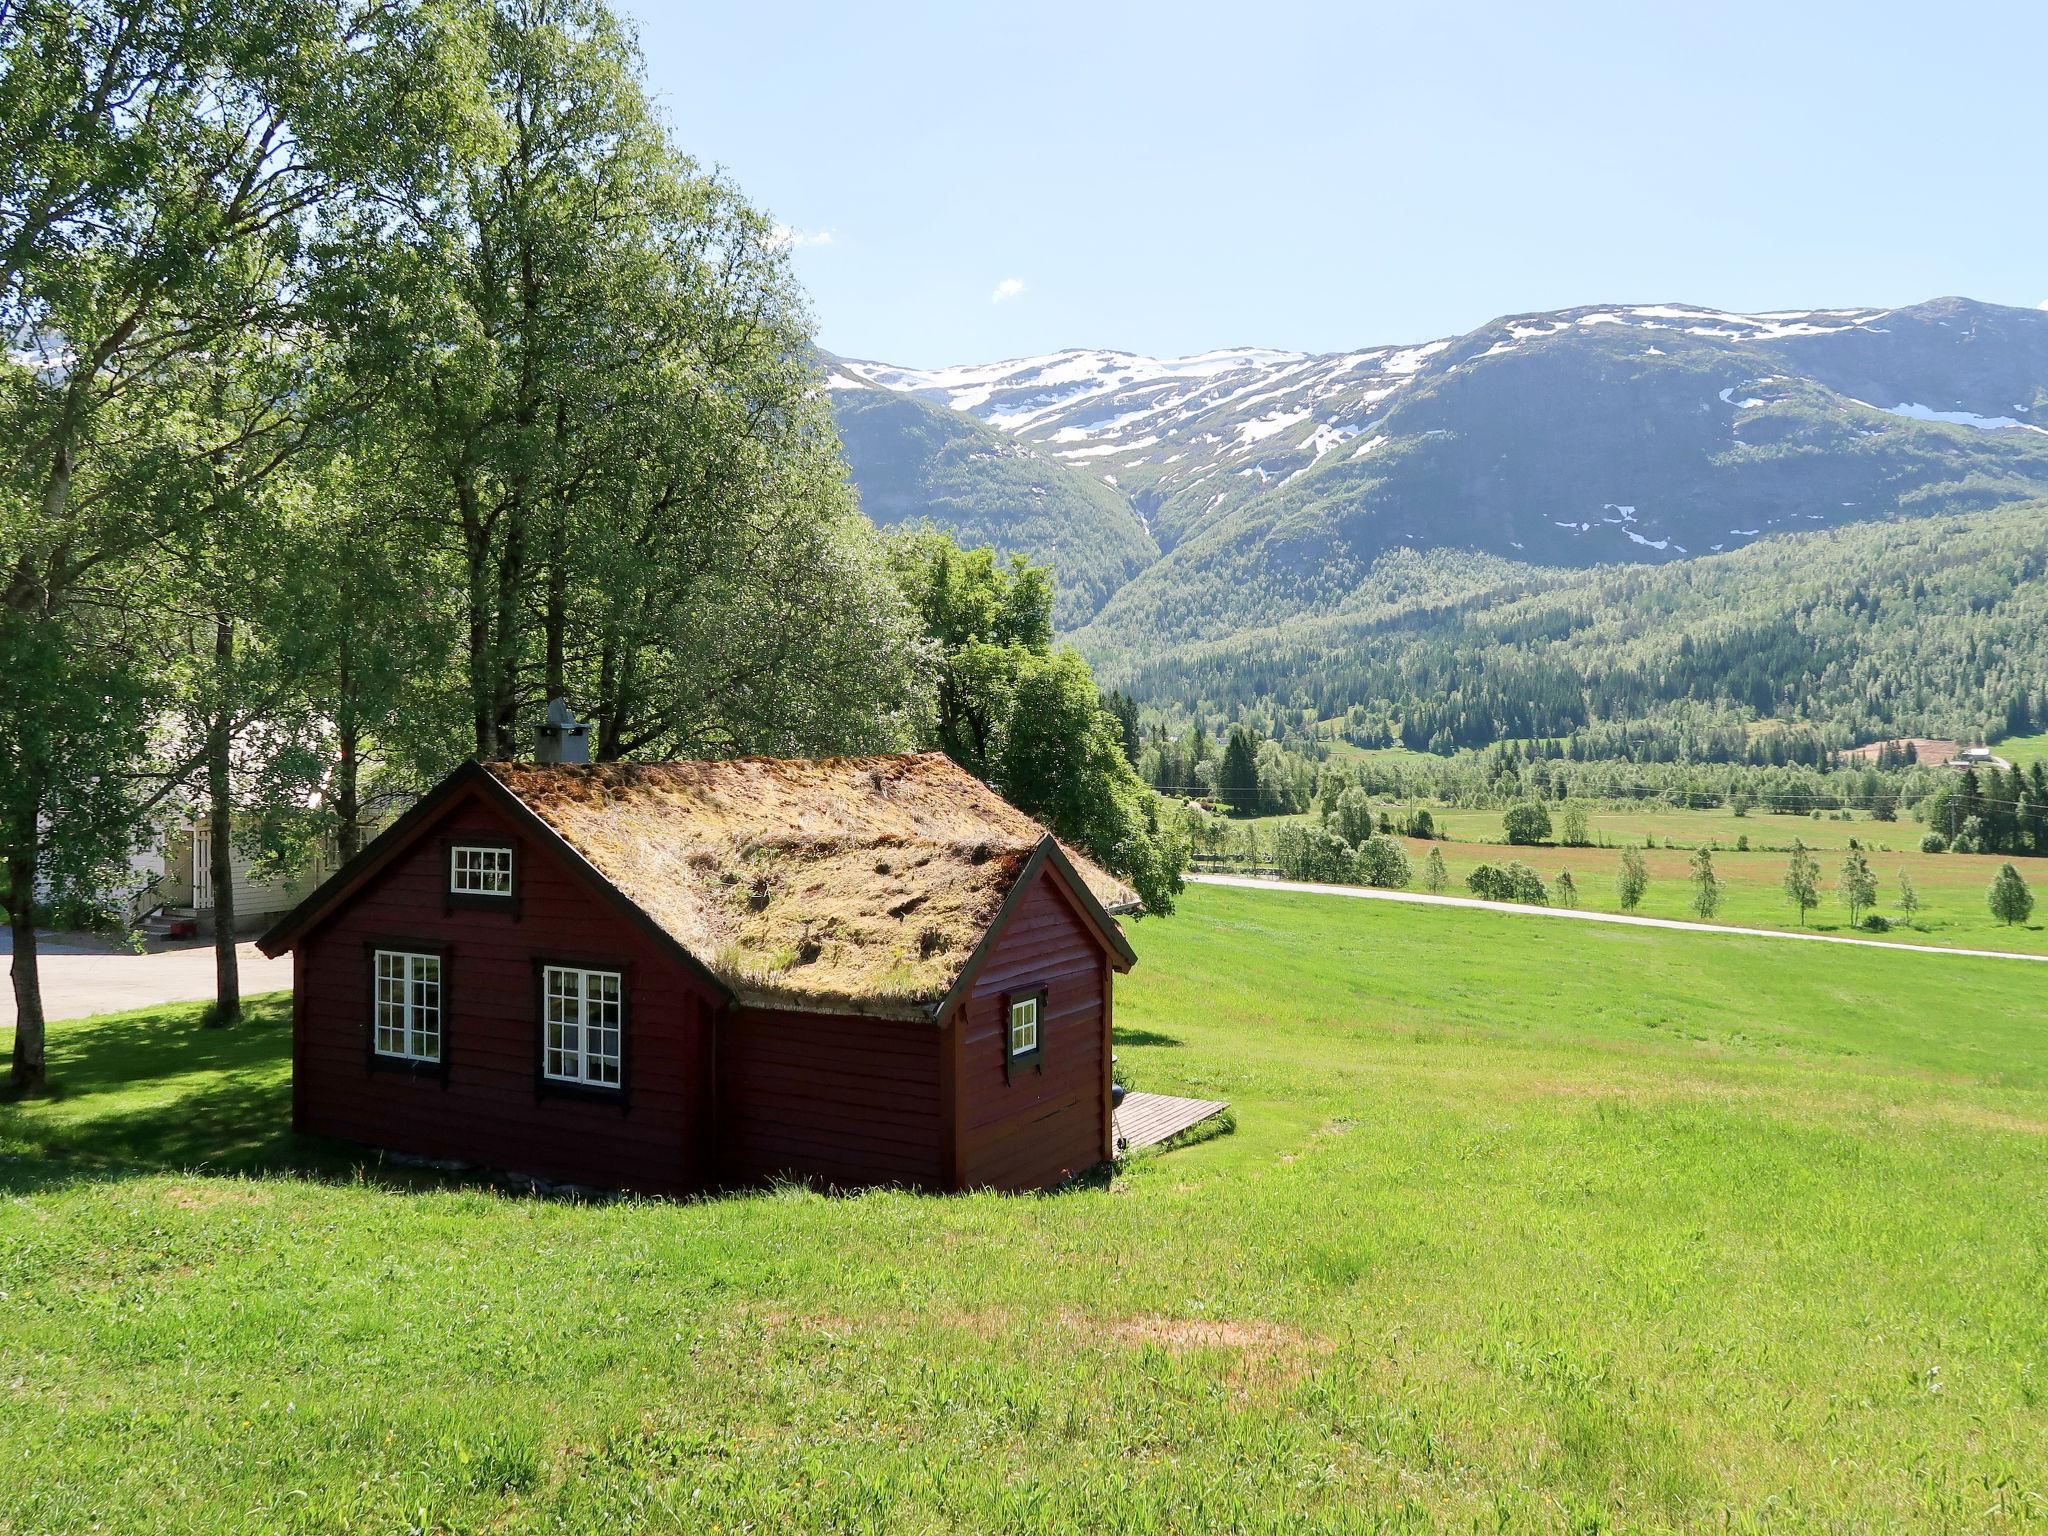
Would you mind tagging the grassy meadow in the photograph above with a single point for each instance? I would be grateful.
(1526, 1226)
(1951, 887)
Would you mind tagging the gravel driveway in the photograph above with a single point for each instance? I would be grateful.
(83, 976)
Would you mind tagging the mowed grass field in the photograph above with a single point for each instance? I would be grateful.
(1952, 887)
(1630, 824)
(1526, 1226)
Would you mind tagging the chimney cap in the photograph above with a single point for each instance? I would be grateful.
(562, 738)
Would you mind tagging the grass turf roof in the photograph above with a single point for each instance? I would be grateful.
(861, 883)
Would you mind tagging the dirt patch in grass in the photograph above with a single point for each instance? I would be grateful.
(206, 1197)
(1179, 1334)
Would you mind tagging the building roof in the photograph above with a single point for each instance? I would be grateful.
(862, 883)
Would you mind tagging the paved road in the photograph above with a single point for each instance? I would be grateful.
(1627, 919)
(79, 982)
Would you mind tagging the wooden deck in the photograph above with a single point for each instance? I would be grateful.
(1146, 1119)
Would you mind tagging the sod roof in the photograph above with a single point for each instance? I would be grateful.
(862, 884)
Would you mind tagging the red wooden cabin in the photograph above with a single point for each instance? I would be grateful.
(670, 976)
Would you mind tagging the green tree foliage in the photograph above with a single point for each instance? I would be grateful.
(1383, 862)
(1909, 895)
(2011, 901)
(1312, 852)
(1435, 878)
(373, 373)
(1527, 823)
(172, 182)
(1237, 780)
(1631, 880)
(1572, 830)
(1856, 885)
(1857, 634)
(1706, 885)
(1514, 881)
(1352, 819)
(1802, 880)
(1027, 718)
(1567, 889)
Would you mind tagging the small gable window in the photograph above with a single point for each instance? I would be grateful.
(480, 869)
(406, 1022)
(583, 1026)
(1024, 1038)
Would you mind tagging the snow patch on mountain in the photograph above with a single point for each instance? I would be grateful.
(1955, 418)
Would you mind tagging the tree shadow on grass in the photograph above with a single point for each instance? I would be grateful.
(159, 1091)
(1142, 1037)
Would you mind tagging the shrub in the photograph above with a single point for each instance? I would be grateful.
(1934, 842)
(1434, 876)
(1631, 881)
(2011, 901)
(1527, 823)
(1508, 882)
(1384, 863)
(1877, 922)
(1352, 818)
(1422, 825)
(1572, 829)
(1312, 853)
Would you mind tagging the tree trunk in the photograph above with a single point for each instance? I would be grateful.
(227, 983)
(556, 620)
(29, 1073)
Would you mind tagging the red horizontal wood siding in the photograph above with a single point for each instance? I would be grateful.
(491, 1108)
(1041, 1125)
(836, 1099)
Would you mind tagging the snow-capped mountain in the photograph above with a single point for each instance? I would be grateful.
(1271, 480)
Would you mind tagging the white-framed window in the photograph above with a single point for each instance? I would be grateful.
(480, 869)
(406, 1009)
(1024, 1021)
(582, 1015)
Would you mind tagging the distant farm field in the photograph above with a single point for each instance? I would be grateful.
(1631, 824)
(1526, 1226)
(2024, 750)
(1952, 887)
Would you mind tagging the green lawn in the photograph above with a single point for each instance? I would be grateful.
(1526, 1226)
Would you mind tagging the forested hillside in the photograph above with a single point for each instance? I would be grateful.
(1930, 626)
(1434, 535)
(921, 463)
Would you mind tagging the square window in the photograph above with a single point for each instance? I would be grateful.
(480, 869)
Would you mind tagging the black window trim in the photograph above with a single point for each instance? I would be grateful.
(546, 1087)
(407, 1066)
(1033, 1060)
(451, 899)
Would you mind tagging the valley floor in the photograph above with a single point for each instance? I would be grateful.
(1950, 888)
(1626, 919)
(1525, 1227)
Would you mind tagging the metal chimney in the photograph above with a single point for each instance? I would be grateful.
(562, 738)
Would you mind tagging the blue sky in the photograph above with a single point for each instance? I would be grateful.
(970, 182)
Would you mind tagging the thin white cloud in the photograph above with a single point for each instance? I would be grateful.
(788, 236)
(1008, 288)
